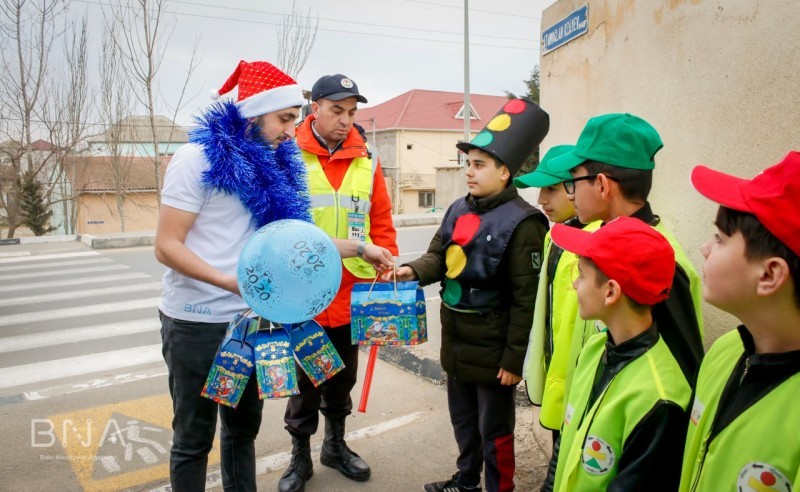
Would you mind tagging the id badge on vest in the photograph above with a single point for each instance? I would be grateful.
(356, 226)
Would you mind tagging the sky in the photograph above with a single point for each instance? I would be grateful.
(387, 47)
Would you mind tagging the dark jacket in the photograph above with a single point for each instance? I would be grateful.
(476, 346)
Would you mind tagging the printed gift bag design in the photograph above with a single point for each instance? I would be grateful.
(314, 352)
(275, 368)
(388, 314)
(233, 363)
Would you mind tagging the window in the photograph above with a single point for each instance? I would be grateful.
(426, 199)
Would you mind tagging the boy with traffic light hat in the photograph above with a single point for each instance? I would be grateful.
(548, 366)
(744, 419)
(612, 173)
(627, 403)
(487, 255)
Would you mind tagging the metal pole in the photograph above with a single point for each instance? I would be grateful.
(467, 114)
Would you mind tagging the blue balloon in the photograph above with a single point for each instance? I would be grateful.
(289, 271)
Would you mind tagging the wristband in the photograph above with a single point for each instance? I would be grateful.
(360, 250)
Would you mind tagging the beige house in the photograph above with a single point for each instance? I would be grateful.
(416, 133)
(719, 81)
(133, 135)
(114, 196)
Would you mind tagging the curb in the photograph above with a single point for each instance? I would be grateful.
(404, 358)
(95, 242)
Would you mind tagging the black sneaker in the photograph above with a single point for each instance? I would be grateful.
(452, 485)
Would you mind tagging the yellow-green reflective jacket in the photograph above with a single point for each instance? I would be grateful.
(759, 450)
(546, 383)
(330, 208)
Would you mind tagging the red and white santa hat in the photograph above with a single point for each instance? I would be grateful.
(263, 88)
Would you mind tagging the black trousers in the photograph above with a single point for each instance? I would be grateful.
(189, 348)
(331, 398)
(483, 418)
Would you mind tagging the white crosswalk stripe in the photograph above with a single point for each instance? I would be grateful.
(77, 335)
(72, 282)
(80, 321)
(76, 366)
(57, 264)
(111, 307)
(48, 257)
(71, 271)
(78, 294)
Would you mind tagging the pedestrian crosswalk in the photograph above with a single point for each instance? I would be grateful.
(73, 321)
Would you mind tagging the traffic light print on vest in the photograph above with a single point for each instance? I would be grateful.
(464, 231)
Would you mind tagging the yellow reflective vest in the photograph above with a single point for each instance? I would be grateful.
(759, 450)
(593, 439)
(332, 209)
(546, 383)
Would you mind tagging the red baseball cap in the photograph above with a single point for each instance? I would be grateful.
(627, 250)
(771, 196)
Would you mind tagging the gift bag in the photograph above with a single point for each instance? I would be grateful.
(388, 313)
(275, 369)
(233, 363)
(314, 351)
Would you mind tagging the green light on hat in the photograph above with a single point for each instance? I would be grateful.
(482, 139)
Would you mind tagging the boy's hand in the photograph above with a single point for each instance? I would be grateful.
(402, 274)
(508, 379)
(380, 258)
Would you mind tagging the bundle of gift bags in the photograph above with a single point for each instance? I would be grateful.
(270, 351)
(381, 314)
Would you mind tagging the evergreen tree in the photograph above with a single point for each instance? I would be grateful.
(532, 85)
(32, 204)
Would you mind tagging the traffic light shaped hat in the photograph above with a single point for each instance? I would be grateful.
(617, 139)
(513, 134)
(627, 250)
(771, 196)
(544, 175)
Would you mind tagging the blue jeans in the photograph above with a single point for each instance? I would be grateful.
(189, 348)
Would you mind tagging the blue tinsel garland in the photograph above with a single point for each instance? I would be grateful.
(271, 183)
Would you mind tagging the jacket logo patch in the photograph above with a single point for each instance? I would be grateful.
(761, 477)
(536, 259)
(598, 457)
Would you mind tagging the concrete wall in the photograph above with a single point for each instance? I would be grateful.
(97, 213)
(720, 80)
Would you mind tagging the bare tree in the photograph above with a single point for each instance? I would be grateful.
(29, 31)
(296, 36)
(141, 31)
(65, 117)
(115, 105)
(36, 100)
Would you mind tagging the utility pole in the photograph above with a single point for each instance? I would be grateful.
(467, 113)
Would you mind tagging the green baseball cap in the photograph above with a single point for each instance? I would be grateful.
(617, 139)
(544, 176)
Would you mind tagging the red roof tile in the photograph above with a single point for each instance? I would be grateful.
(429, 110)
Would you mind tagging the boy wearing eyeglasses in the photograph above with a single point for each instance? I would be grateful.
(612, 173)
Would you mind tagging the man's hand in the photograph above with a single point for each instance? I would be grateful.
(402, 274)
(379, 257)
(508, 379)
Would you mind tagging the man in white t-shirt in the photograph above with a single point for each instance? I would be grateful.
(240, 171)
